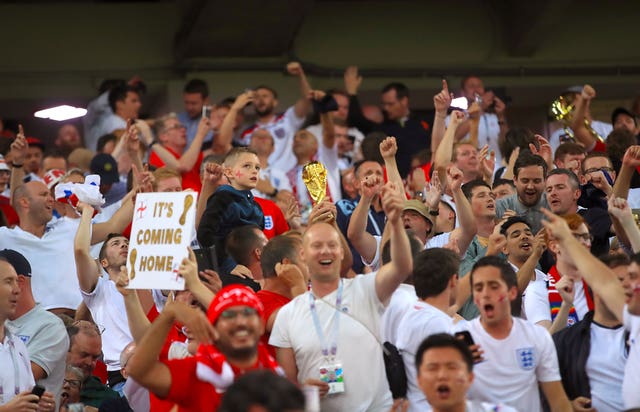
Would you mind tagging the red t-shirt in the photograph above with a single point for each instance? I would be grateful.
(271, 301)
(599, 147)
(190, 179)
(274, 221)
(190, 393)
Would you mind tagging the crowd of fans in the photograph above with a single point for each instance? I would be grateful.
(456, 263)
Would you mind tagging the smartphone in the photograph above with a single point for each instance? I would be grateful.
(465, 336)
(206, 111)
(38, 391)
(608, 177)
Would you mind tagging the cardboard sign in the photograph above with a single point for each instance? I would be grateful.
(163, 225)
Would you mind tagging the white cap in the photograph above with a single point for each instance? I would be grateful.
(3, 164)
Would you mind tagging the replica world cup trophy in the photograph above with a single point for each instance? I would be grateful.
(314, 176)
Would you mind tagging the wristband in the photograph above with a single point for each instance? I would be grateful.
(434, 212)
(17, 166)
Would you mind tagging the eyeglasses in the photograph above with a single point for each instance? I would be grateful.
(585, 237)
(598, 169)
(246, 312)
(86, 325)
(175, 126)
(74, 383)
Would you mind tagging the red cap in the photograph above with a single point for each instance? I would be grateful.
(34, 141)
(233, 295)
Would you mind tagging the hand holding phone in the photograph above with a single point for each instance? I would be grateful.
(206, 111)
(38, 391)
(476, 352)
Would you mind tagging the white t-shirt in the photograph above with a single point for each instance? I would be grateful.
(53, 265)
(420, 321)
(605, 367)
(634, 198)
(15, 370)
(47, 342)
(107, 308)
(540, 276)
(401, 301)
(438, 240)
(282, 128)
(535, 301)
(365, 383)
(602, 128)
(474, 406)
(513, 366)
(631, 384)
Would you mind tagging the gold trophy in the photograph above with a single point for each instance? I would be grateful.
(314, 175)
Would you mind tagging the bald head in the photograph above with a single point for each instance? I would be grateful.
(33, 203)
(322, 252)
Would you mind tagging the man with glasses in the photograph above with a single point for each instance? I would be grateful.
(230, 346)
(597, 169)
(169, 149)
(84, 351)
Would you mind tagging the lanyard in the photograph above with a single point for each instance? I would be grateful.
(372, 219)
(16, 372)
(328, 348)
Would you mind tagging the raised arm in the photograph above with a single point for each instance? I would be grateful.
(467, 228)
(189, 158)
(597, 275)
(352, 81)
(136, 317)
(212, 179)
(328, 132)
(527, 271)
(388, 150)
(303, 105)
(18, 154)
(188, 269)
(118, 222)
(86, 268)
(393, 273)
(624, 223)
(630, 162)
(363, 241)
(444, 154)
(144, 365)
(441, 103)
(580, 131)
(225, 134)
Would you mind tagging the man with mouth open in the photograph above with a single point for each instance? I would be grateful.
(517, 354)
(529, 173)
(445, 373)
